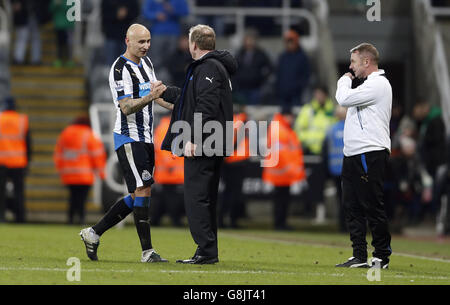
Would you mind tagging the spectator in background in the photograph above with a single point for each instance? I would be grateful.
(15, 155)
(28, 18)
(232, 199)
(64, 33)
(311, 126)
(431, 135)
(79, 156)
(401, 126)
(443, 193)
(178, 61)
(117, 16)
(266, 24)
(440, 3)
(254, 69)
(396, 118)
(293, 72)
(164, 17)
(288, 171)
(407, 127)
(445, 217)
(217, 22)
(413, 183)
(169, 174)
(333, 153)
(431, 143)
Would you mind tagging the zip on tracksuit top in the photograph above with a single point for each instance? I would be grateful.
(368, 115)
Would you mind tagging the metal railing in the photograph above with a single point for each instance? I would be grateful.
(309, 41)
(5, 78)
(94, 36)
(326, 63)
(4, 29)
(432, 50)
(440, 11)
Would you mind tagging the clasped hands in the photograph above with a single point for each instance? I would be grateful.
(157, 89)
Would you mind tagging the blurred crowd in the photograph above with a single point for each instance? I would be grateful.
(28, 19)
(417, 175)
(260, 79)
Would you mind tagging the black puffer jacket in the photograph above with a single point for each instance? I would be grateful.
(206, 90)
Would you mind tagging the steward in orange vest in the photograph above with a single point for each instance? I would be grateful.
(288, 171)
(169, 169)
(241, 140)
(169, 174)
(232, 201)
(15, 153)
(79, 156)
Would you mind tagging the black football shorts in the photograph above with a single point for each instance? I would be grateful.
(137, 160)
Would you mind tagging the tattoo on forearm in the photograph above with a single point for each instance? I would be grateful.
(164, 104)
(129, 105)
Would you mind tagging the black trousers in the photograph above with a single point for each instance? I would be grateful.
(316, 185)
(77, 202)
(281, 201)
(17, 176)
(340, 206)
(362, 191)
(201, 186)
(169, 199)
(232, 199)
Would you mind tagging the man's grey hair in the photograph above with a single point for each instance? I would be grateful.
(204, 36)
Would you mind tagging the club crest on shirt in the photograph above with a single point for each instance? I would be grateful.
(119, 85)
(146, 175)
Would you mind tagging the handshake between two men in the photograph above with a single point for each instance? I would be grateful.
(158, 89)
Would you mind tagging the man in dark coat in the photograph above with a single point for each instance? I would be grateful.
(432, 146)
(28, 18)
(117, 16)
(293, 72)
(255, 69)
(205, 99)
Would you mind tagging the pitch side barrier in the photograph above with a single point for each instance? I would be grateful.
(259, 119)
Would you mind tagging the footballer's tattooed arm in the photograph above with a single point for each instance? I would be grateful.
(164, 104)
(130, 106)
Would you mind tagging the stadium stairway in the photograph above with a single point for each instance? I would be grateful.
(52, 98)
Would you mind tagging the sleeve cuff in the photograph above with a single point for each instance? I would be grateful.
(123, 96)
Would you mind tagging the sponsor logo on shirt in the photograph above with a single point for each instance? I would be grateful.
(144, 89)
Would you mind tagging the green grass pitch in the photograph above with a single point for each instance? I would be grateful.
(37, 254)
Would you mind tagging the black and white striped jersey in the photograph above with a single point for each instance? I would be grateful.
(129, 79)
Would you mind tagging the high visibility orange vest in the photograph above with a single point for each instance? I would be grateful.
(241, 141)
(290, 168)
(79, 155)
(169, 169)
(13, 147)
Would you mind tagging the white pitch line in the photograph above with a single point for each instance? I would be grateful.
(292, 242)
(321, 274)
(435, 259)
(64, 270)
